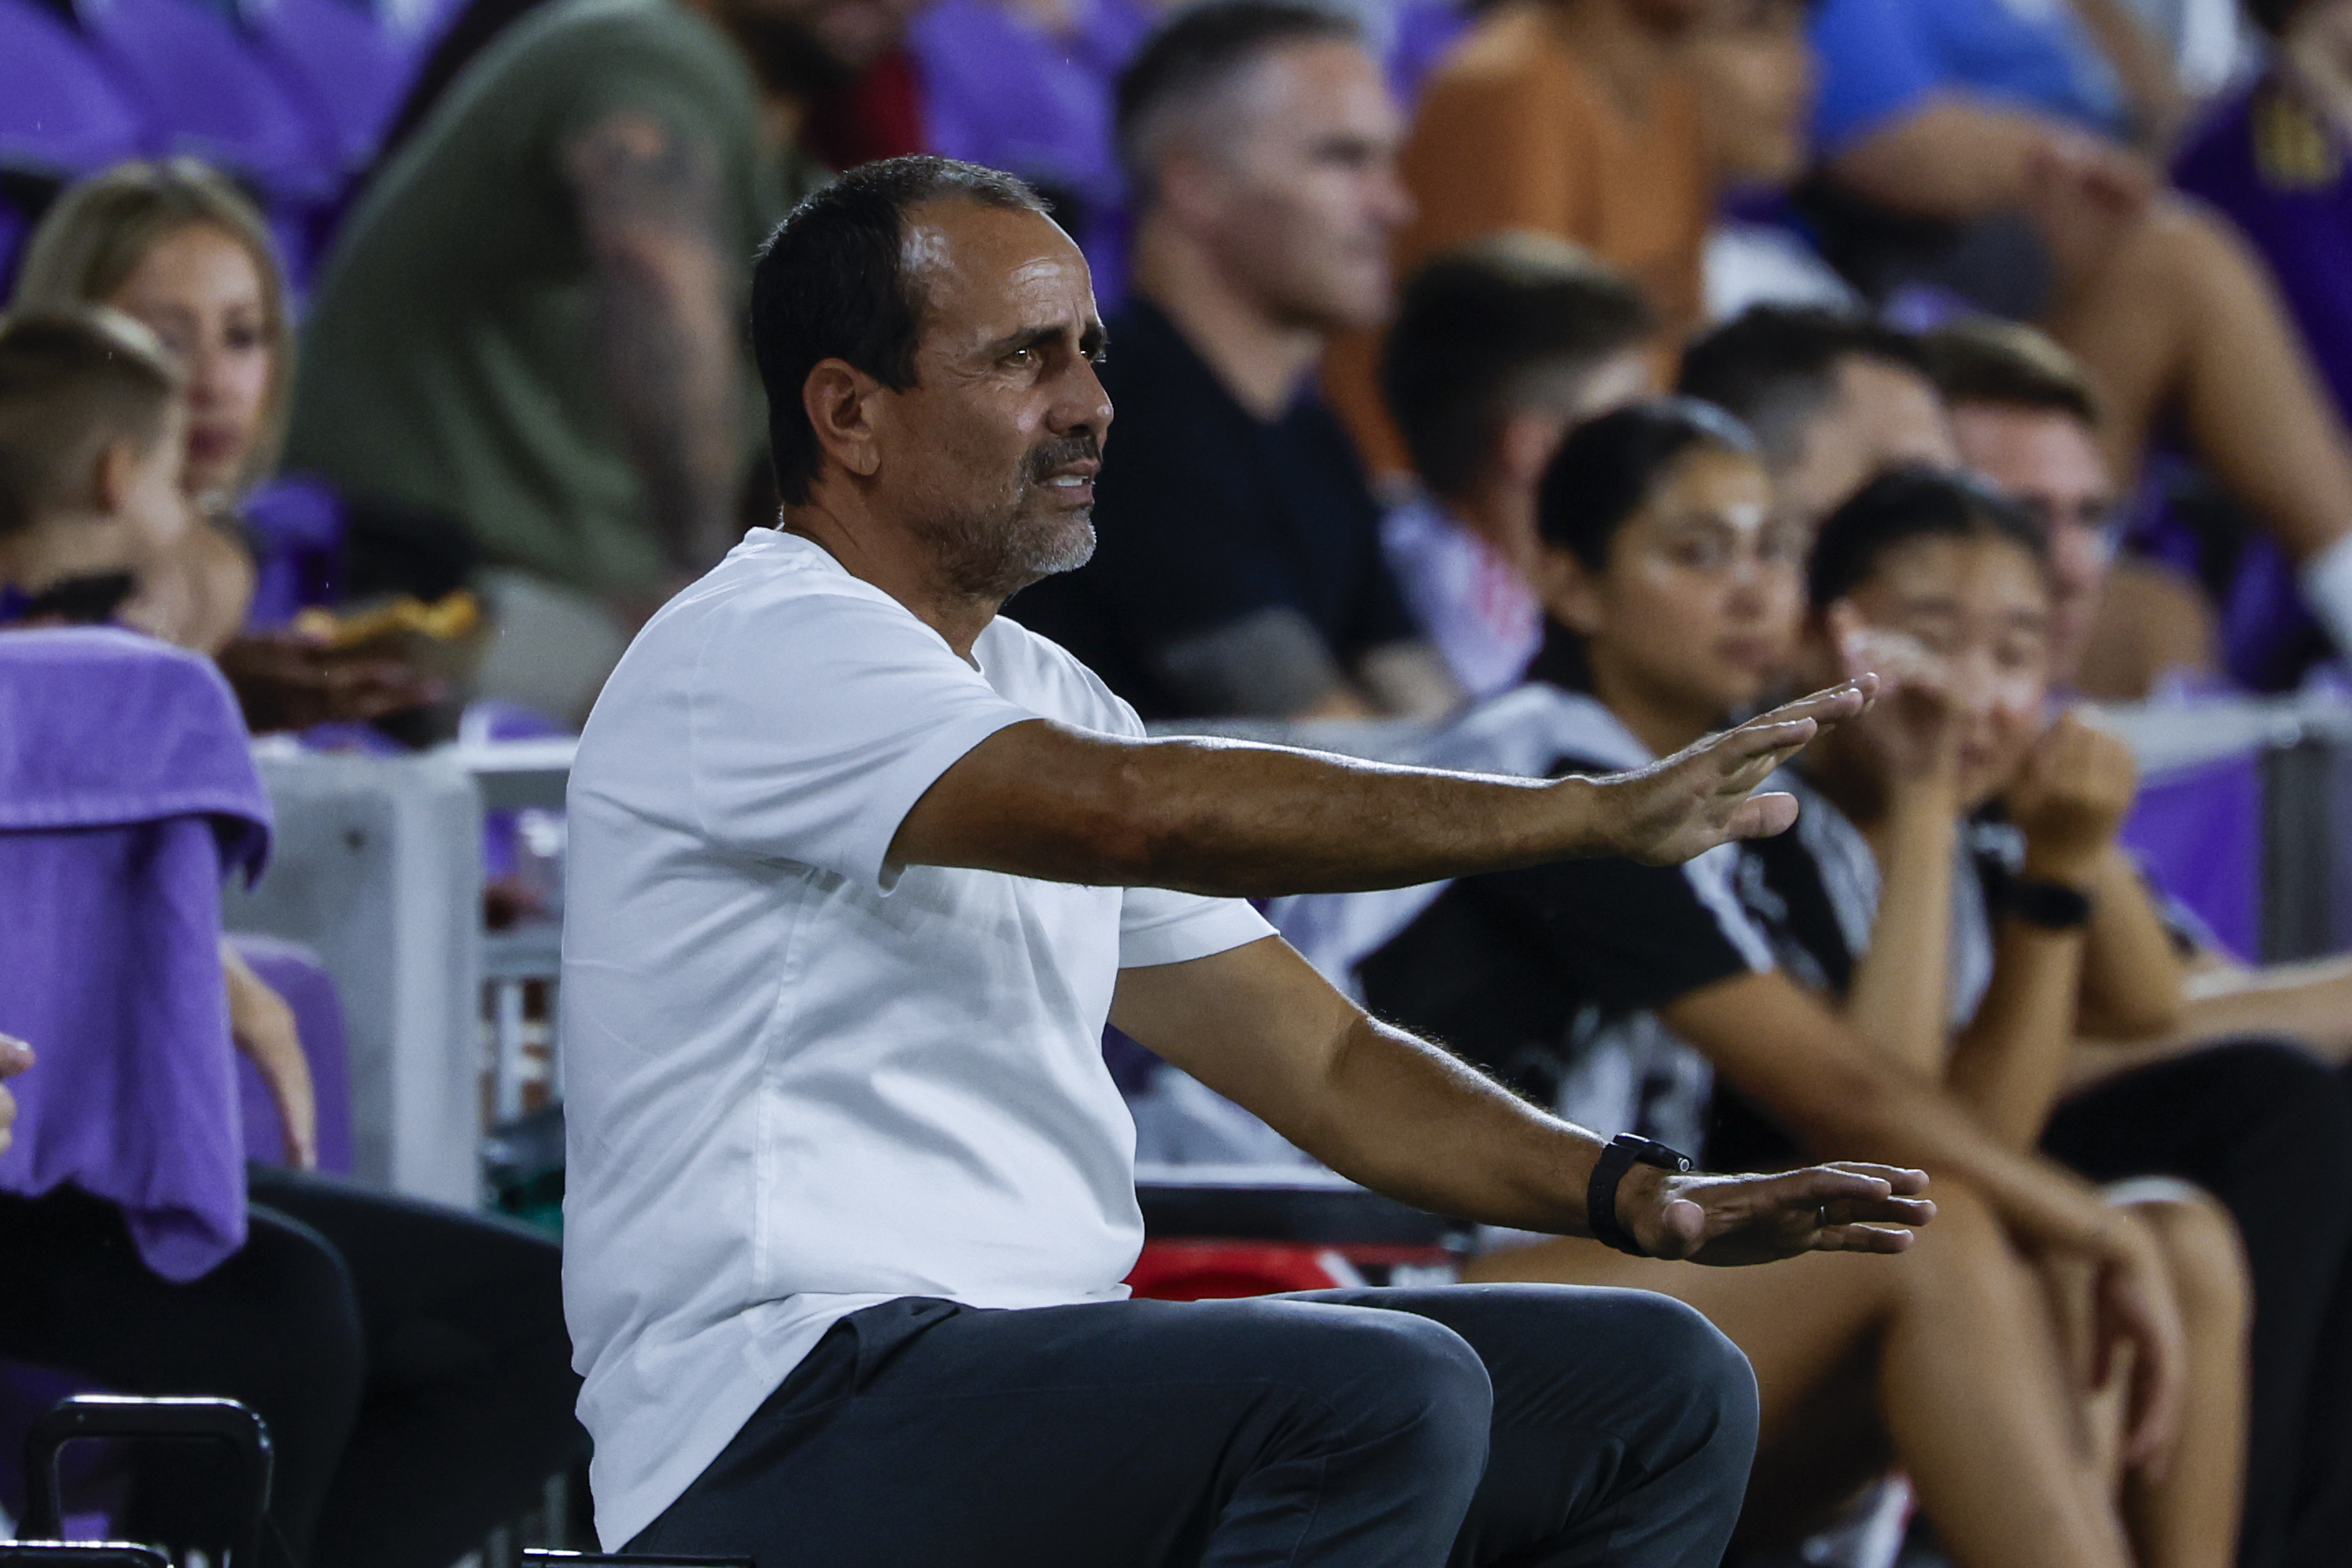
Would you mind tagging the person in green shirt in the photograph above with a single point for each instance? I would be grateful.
(529, 326)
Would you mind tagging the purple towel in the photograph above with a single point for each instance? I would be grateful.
(103, 728)
(126, 791)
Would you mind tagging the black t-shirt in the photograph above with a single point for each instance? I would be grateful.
(1205, 516)
(1549, 977)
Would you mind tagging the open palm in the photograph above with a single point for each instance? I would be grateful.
(1703, 794)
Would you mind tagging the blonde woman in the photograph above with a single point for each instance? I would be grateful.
(177, 246)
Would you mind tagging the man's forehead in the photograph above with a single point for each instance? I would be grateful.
(987, 270)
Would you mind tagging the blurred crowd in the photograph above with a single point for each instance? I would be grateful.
(1569, 377)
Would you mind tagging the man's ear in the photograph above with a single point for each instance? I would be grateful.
(1524, 443)
(1188, 184)
(839, 399)
(112, 474)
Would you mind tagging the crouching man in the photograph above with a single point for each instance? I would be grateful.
(859, 871)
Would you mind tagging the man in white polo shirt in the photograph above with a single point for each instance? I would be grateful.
(859, 871)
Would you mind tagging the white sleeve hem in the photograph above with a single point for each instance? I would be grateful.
(1213, 926)
(913, 778)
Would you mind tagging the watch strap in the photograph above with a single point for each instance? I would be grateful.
(1624, 1152)
(2053, 906)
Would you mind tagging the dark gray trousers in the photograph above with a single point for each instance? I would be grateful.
(1526, 1425)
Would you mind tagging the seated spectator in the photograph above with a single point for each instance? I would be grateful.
(1577, 119)
(1497, 349)
(1834, 398)
(91, 422)
(179, 248)
(2025, 417)
(1676, 592)
(1754, 70)
(410, 1362)
(2176, 1067)
(1971, 145)
(1239, 569)
(529, 327)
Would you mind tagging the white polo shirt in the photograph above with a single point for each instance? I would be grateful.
(800, 1079)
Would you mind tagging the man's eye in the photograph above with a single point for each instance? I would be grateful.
(1022, 357)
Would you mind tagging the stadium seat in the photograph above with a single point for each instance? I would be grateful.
(222, 1423)
(346, 69)
(209, 95)
(60, 113)
(61, 117)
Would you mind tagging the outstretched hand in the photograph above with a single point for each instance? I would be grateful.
(1730, 1220)
(1700, 797)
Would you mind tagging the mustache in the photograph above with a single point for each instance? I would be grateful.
(1060, 454)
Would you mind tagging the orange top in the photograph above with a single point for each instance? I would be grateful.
(1514, 132)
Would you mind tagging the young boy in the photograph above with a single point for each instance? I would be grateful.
(90, 445)
(1498, 348)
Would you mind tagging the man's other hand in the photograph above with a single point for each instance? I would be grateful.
(1726, 1220)
(15, 1055)
(1700, 797)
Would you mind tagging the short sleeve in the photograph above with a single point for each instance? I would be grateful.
(1636, 937)
(1158, 926)
(815, 724)
(1502, 966)
(1877, 62)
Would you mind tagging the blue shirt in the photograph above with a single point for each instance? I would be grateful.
(1881, 60)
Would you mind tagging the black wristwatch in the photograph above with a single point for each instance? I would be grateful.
(1624, 1152)
(2053, 906)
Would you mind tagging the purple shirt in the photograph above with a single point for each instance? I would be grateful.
(2277, 170)
(127, 790)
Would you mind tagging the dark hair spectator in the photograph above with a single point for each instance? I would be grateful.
(1833, 397)
(1476, 327)
(1608, 468)
(1986, 360)
(2013, 157)
(72, 383)
(1904, 505)
(1238, 568)
(1776, 366)
(1499, 348)
(833, 282)
(1195, 58)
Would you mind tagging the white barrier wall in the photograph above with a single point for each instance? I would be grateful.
(377, 866)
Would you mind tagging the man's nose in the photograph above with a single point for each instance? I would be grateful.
(1083, 404)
